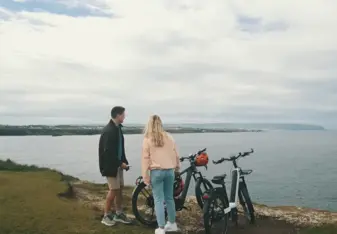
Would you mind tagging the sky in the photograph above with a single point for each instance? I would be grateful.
(71, 61)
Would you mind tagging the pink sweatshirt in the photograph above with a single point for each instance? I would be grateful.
(153, 157)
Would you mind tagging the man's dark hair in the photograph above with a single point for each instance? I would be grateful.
(117, 110)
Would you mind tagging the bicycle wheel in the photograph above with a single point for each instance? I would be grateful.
(215, 219)
(144, 213)
(202, 185)
(247, 205)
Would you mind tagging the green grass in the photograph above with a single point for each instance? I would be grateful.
(30, 205)
(329, 229)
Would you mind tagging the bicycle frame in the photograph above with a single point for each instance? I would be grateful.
(238, 181)
(191, 171)
(234, 197)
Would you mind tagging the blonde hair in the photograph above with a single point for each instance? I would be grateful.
(154, 130)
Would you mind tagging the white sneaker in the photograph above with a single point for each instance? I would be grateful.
(171, 227)
(159, 231)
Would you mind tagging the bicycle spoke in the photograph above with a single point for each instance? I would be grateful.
(146, 192)
(218, 221)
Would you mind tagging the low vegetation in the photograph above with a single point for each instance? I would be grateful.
(39, 201)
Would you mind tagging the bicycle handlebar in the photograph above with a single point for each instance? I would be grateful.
(192, 156)
(234, 158)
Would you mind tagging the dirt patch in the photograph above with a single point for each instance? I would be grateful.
(265, 225)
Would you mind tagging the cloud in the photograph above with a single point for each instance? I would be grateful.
(201, 61)
(75, 8)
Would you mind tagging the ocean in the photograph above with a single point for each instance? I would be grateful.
(291, 168)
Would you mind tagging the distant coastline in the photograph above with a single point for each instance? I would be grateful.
(63, 130)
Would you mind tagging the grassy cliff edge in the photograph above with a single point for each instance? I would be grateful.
(37, 200)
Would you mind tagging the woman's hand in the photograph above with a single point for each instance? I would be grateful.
(147, 181)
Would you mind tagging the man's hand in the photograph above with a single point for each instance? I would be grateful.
(124, 166)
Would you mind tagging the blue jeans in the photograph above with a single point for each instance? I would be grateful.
(162, 188)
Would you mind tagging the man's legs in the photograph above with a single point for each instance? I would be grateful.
(119, 193)
(113, 183)
(109, 201)
(118, 201)
(120, 216)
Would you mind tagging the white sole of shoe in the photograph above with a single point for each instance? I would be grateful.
(108, 224)
(122, 221)
(172, 230)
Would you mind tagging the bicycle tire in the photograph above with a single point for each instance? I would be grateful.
(247, 205)
(199, 193)
(135, 210)
(207, 215)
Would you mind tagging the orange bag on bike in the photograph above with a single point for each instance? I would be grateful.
(201, 160)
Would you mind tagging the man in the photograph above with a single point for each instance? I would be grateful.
(112, 162)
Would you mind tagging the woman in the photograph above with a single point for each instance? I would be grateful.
(160, 157)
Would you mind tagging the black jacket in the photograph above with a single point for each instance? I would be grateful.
(108, 150)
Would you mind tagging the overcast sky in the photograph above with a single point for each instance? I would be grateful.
(70, 61)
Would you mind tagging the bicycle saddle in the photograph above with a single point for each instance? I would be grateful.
(219, 179)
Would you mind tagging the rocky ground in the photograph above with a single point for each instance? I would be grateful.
(277, 220)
